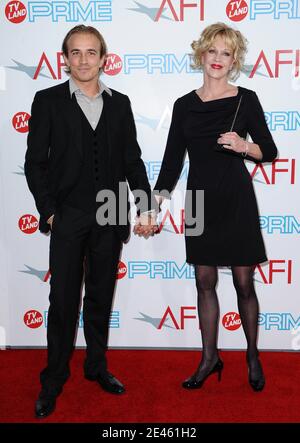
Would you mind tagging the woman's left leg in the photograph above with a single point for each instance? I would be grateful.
(248, 309)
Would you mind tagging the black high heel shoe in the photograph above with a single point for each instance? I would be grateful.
(257, 383)
(193, 383)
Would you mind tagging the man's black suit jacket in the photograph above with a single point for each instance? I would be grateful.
(54, 156)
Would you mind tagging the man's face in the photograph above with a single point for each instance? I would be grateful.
(84, 58)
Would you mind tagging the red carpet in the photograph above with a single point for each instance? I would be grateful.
(154, 393)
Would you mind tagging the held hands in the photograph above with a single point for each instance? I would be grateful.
(145, 225)
(233, 142)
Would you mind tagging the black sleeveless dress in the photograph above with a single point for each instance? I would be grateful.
(231, 234)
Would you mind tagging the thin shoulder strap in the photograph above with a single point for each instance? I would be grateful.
(236, 113)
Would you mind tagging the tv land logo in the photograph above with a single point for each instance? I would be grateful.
(15, 12)
(176, 10)
(231, 321)
(122, 270)
(237, 10)
(113, 64)
(33, 319)
(28, 224)
(165, 64)
(69, 11)
(20, 122)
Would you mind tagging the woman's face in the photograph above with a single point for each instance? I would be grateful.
(218, 60)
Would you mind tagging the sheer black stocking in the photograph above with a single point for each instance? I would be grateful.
(208, 312)
(248, 309)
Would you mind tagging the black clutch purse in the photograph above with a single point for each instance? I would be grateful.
(220, 148)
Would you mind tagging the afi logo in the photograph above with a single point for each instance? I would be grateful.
(237, 10)
(113, 64)
(177, 9)
(231, 321)
(182, 316)
(122, 270)
(20, 121)
(15, 12)
(42, 275)
(281, 57)
(288, 169)
(168, 220)
(33, 319)
(275, 267)
(28, 224)
(55, 71)
(47, 276)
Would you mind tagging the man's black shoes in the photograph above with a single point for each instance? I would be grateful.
(45, 404)
(46, 401)
(108, 382)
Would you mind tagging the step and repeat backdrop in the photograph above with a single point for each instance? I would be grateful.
(149, 59)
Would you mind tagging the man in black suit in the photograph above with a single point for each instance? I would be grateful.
(82, 141)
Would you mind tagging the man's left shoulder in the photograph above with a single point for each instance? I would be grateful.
(119, 96)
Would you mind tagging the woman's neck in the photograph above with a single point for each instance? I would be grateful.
(214, 88)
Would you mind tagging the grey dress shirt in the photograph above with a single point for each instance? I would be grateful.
(91, 106)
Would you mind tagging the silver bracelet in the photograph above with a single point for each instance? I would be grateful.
(245, 153)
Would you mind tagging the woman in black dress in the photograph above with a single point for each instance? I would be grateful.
(202, 121)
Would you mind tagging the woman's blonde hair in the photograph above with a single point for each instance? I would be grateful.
(234, 39)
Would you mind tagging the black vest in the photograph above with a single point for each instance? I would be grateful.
(93, 177)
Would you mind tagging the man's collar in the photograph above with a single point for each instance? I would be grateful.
(74, 88)
(103, 87)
